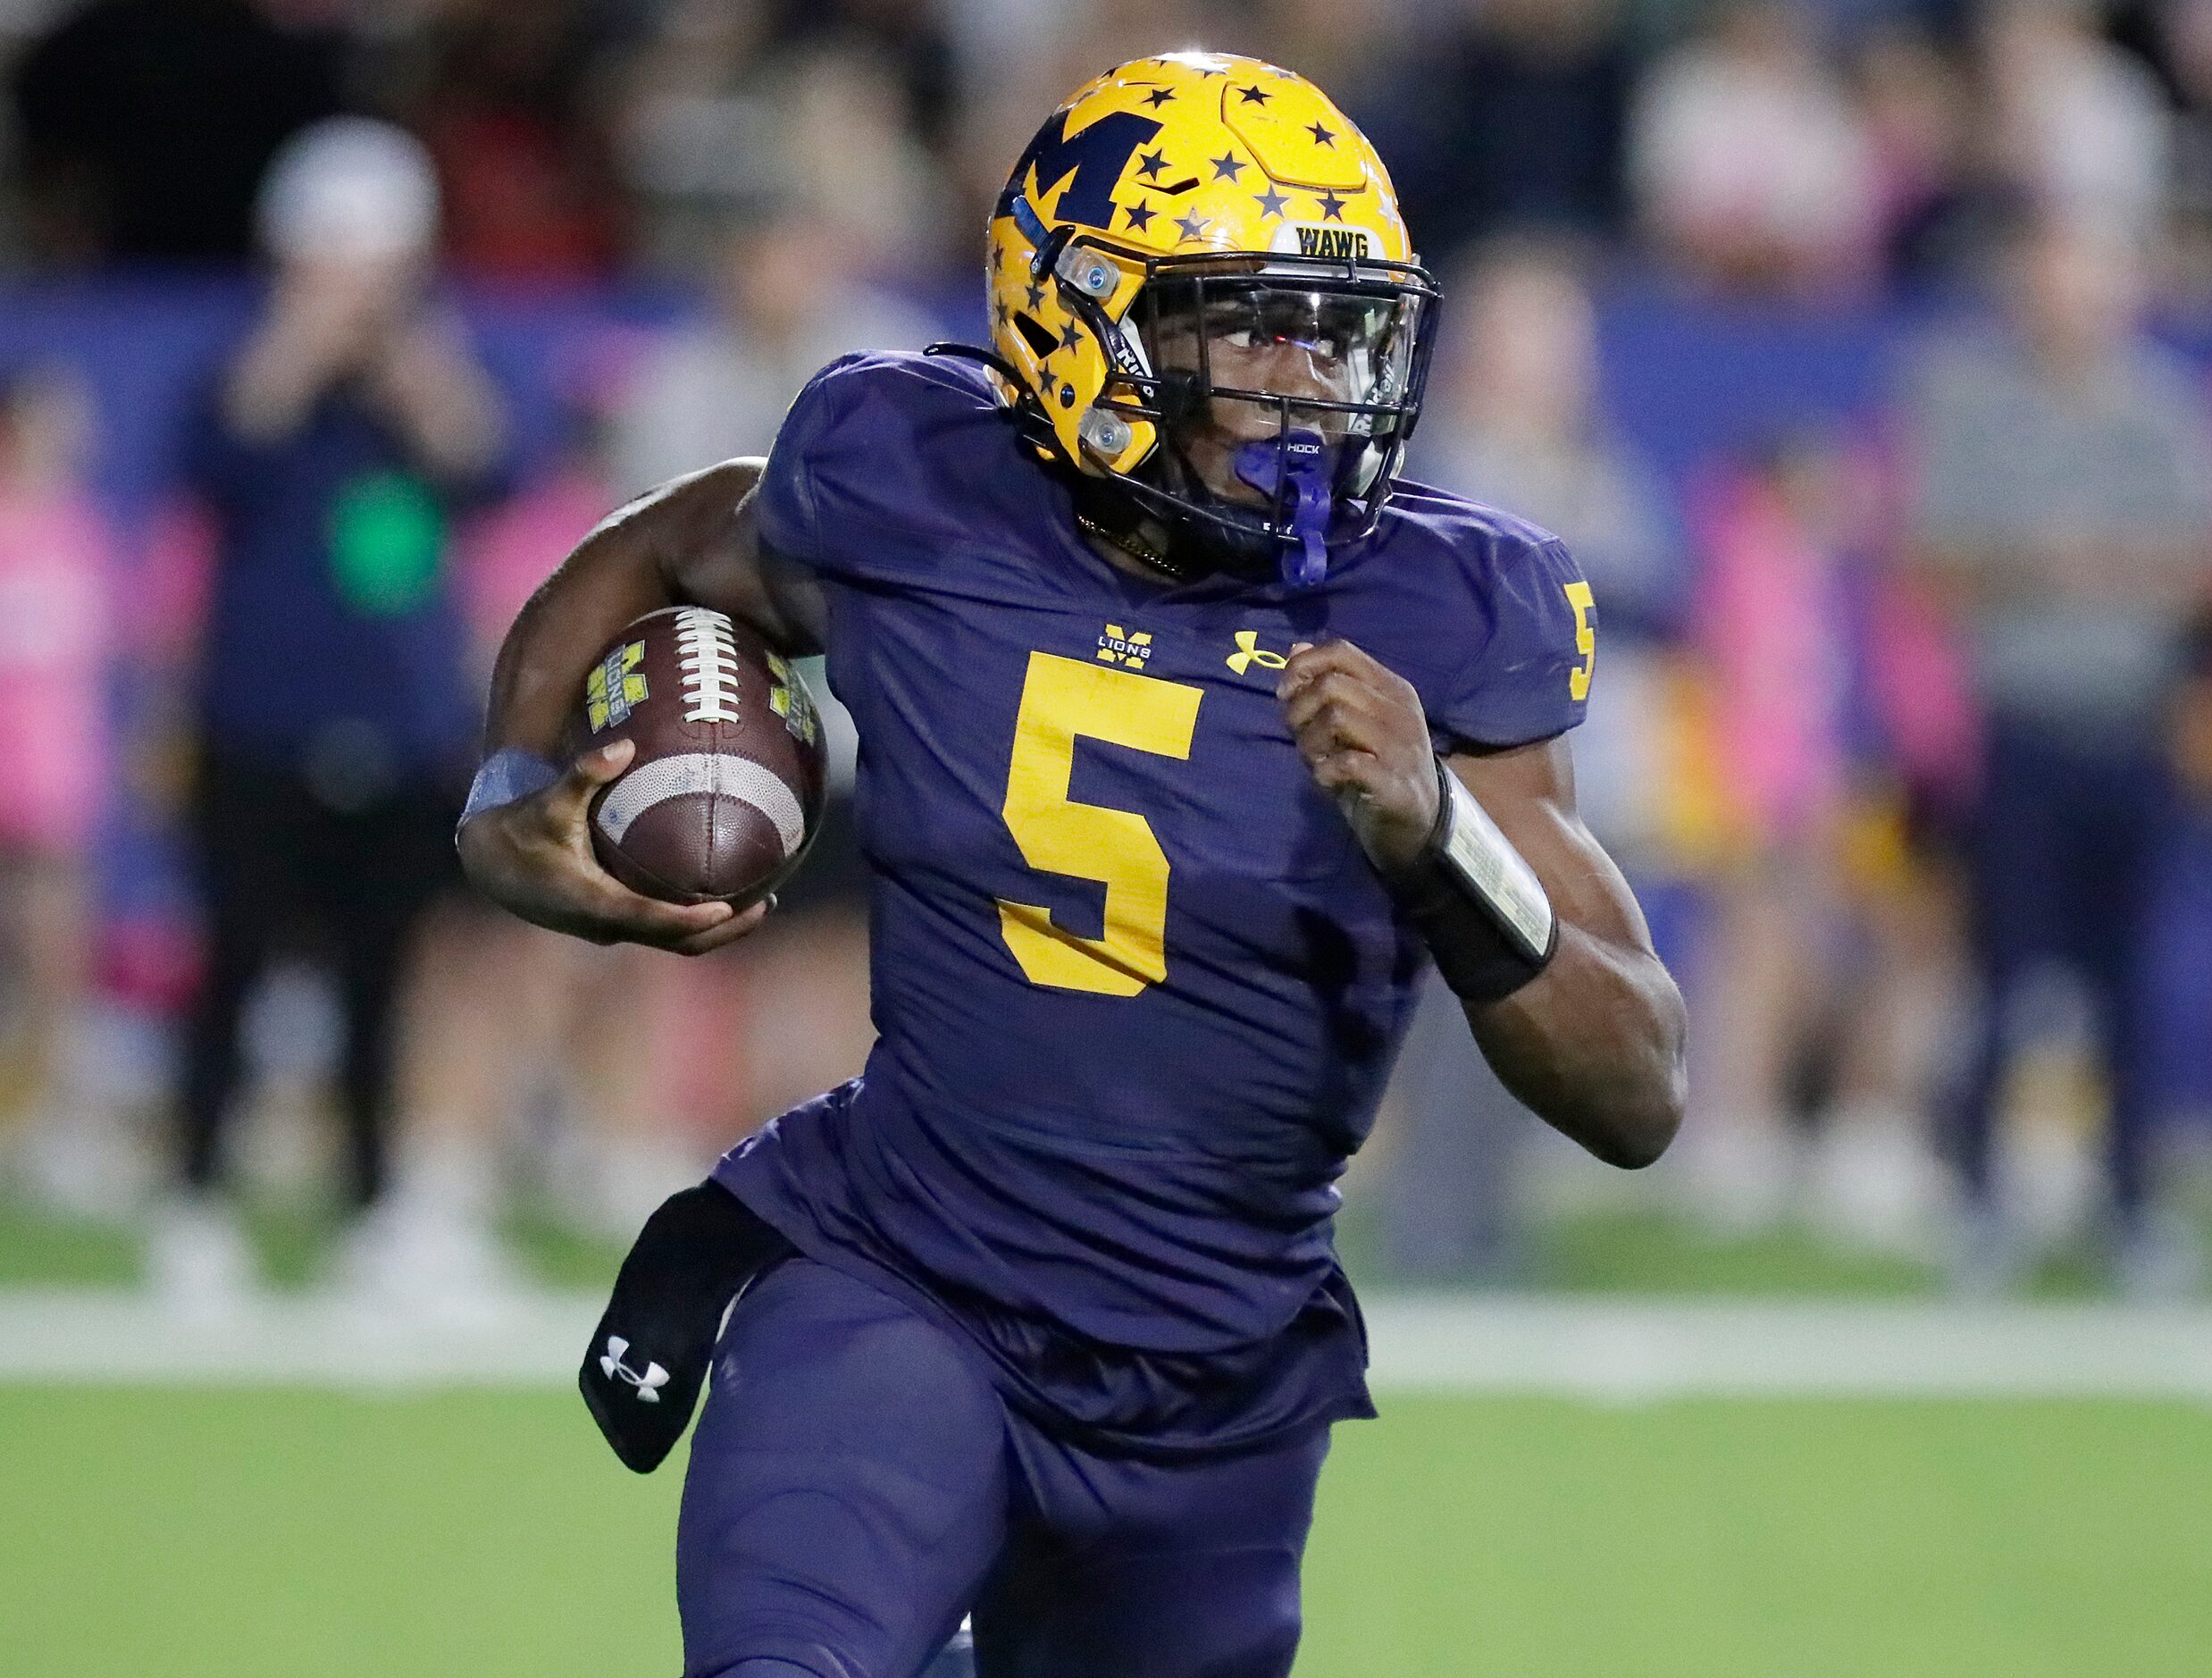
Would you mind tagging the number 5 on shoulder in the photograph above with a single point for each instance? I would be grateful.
(1062, 701)
(1584, 603)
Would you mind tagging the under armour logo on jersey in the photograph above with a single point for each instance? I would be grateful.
(648, 1384)
(1249, 653)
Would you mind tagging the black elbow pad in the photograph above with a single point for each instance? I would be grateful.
(649, 1354)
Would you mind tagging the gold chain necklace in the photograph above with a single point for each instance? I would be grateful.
(1132, 546)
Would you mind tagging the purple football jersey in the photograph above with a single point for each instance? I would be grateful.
(1136, 987)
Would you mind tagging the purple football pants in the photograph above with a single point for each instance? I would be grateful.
(856, 1486)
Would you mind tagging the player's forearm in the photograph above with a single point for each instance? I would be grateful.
(1593, 1040)
(682, 545)
(608, 580)
(1593, 1045)
(1529, 920)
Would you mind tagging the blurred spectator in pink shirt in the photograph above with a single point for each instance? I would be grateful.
(1825, 961)
(56, 566)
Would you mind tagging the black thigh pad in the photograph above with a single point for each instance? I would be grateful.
(649, 1354)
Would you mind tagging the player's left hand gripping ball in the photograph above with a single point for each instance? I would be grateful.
(726, 789)
(1362, 731)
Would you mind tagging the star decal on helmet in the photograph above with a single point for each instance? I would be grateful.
(1140, 215)
(1272, 202)
(1159, 96)
(1069, 336)
(1191, 226)
(1321, 135)
(1000, 313)
(1036, 294)
(1254, 95)
(1229, 164)
(1149, 164)
(1332, 206)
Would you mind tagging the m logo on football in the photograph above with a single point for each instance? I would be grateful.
(615, 685)
(788, 700)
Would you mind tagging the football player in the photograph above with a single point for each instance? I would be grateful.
(1189, 731)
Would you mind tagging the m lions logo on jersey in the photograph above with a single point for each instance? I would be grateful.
(1125, 647)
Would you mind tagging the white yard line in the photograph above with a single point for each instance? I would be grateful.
(1627, 1350)
(117, 1338)
(1605, 1350)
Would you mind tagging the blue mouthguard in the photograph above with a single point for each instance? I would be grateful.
(1301, 460)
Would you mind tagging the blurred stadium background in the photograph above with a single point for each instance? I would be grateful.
(1860, 348)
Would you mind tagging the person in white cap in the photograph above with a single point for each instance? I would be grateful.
(332, 449)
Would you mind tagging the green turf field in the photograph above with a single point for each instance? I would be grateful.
(183, 1534)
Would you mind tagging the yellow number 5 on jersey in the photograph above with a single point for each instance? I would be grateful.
(1584, 603)
(1061, 699)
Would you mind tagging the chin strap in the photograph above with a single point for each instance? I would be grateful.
(1300, 460)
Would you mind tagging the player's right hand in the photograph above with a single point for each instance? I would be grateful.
(533, 857)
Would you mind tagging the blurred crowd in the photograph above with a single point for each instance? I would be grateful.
(1904, 718)
(1815, 149)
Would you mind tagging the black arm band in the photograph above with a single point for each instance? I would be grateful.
(1475, 901)
(649, 1356)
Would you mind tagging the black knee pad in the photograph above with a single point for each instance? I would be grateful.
(649, 1354)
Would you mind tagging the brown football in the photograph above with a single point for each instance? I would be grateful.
(726, 791)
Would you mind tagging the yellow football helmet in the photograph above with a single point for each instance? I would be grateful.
(1180, 213)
